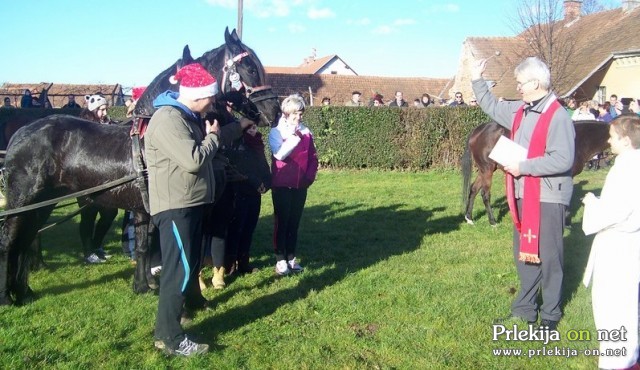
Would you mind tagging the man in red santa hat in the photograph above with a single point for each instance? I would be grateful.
(181, 184)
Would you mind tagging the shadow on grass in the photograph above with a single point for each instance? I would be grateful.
(126, 273)
(576, 245)
(347, 243)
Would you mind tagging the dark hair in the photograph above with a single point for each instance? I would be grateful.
(356, 92)
(7, 99)
(85, 113)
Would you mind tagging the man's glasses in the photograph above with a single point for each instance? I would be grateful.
(519, 85)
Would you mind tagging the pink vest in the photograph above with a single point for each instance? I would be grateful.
(299, 169)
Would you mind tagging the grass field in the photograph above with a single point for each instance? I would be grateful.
(394, 279)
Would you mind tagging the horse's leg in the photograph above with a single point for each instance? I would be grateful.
(473, 192)
(9, 232)
(485, 176)
(37, 260)
(154, 256)
(20, 256)
(142, 282)
(486, 199)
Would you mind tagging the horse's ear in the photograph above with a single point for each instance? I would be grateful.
(231, 38)
(186, 55)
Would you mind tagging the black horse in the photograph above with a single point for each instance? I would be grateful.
(61, 154)
(591, 138)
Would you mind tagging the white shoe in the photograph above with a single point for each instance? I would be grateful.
(294, 266)
(93, 258)
(282, 268)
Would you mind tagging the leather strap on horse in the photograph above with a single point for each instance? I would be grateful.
(138, 126)
(106, 186)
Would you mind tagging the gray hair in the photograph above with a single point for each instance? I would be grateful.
(292, 103)
(533, 68)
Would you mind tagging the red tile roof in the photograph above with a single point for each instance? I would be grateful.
(58, 92)
(599, 38)
(339, 87)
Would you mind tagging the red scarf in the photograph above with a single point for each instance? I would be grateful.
(530, 223)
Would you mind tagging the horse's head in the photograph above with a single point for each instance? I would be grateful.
(241, 71)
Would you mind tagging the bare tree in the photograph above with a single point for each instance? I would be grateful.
(595, 6)
(550, 37)
(544, 33)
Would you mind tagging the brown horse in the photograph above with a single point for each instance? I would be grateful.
(591, 138)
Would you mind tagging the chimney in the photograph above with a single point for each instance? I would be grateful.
(628, 5)
(572, 9)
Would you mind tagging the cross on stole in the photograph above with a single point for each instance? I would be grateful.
(529, 236)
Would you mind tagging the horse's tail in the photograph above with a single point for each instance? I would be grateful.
(466, 175)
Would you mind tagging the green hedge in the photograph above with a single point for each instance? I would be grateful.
(354, 138)
(391, 138)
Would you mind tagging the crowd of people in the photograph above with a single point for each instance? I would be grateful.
(424, 101)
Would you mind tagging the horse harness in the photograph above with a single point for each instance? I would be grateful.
(138, 128)
(231, 75)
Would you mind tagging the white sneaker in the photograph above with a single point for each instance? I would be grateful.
(282, 268)
(294, 266)
(93, 258)
(186, 348)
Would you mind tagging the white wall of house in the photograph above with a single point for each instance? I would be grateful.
(622, 78)
(337, 66)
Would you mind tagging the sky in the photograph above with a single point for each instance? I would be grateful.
(131, 41)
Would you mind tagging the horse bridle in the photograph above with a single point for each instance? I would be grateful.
(231, 75)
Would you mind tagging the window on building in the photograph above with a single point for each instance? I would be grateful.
(601, 94)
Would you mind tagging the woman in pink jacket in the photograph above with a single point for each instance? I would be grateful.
(294, 164)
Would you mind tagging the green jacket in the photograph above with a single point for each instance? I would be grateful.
(179, 161)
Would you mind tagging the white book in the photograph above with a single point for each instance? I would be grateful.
(507, 151)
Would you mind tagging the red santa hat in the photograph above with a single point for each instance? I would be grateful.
(195, 82)
(137, 92)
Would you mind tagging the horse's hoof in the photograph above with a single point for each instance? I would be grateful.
(469, 221)
(153, 284)
(141, 289)
(6, 301)
(26, 298)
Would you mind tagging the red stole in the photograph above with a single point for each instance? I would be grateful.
(529, 226)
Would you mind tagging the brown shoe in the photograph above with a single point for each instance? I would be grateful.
(218, 278)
